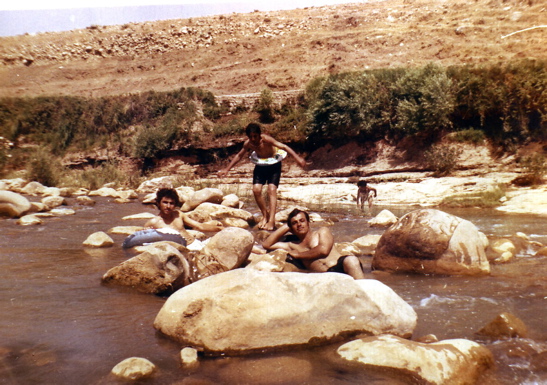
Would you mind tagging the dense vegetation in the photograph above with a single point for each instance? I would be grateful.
(505, 103)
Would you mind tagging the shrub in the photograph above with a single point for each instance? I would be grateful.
(265, 106)
(469, 136)
(45, 168)
(534, 167)
(442, 159)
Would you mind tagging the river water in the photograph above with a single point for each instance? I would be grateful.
(60, 325)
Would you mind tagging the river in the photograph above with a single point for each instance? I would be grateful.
(60, 325)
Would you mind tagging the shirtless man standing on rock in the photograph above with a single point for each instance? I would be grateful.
(267, 169)
(313, 248)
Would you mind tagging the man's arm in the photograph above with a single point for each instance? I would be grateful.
(289, 150)
(272, 242)
(222, 173)
(206, 226)
(322, 250)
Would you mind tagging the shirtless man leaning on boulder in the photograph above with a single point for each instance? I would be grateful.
(313, 248)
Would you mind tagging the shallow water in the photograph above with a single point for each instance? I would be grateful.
(59, 325)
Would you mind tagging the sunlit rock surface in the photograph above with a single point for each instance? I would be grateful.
(247, 310)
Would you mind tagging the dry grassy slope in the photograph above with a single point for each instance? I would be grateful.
(244, 53)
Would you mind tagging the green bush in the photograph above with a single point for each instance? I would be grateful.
(45, 168)
(468, 136)
(265, 106)
(534, 167)
(442, 159)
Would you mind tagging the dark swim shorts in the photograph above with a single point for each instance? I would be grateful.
(339, 267)
(267, 174)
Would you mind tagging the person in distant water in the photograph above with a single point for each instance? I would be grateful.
(168, 203)
(266, 172)
(314, 249)
(365, 194)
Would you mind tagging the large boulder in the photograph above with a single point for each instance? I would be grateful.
(454, 362)
(208, 194)
(162, 268)
(432, 242)
(210, 211)
(13, 205)
(226, 250)
(247, 310)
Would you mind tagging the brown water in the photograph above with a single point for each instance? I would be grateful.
(59, 325)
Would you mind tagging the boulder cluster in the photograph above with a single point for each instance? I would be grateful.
(232, 297)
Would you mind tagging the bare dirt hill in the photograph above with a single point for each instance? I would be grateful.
(245, 53)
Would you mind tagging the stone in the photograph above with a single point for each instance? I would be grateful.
(134, 368)
(210, 211)
(13, 205)
(455, 362)
(189, 357)
(85, 201)
(384, 218)
(505, 325)
(104, 192)
(125, 230)
(430, 241)
(53, 201)
(140, 216)
(231, 200)
(99, 239)
(33, 188)
(226, 250)
(274, 261)
(153, 185)
(162, 268)
(29, 220)
(208, 194)
(366, 245)
(245, 310)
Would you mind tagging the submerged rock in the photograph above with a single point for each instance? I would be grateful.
(13, 205)
(134, 368)
(247, 310)
(99, 239)
(505, 325)
(162, 268)
(430, 241)
(455, 362)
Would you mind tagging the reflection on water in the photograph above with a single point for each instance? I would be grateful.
(60, 325)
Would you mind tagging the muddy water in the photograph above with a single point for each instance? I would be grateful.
(59, 325)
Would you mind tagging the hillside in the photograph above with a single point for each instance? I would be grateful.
(245, 53)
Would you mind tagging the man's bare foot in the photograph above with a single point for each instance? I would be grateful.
(270, 226)
(262, 224)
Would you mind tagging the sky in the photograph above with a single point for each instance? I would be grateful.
(30, 16)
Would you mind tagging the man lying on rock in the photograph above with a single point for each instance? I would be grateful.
(313, 250)
(168, 203)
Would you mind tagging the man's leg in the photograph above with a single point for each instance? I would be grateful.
(257, 191)
(272, 197)
(352, 266)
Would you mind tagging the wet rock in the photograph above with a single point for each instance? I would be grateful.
(456, 361)
(231, 200)
(430, 241)
(125, 230)
(13, 205)
(274, 261)
(500, 250)
(210, 211)
(367, 244)
(427, 339)
(505, 325)
(247, 310)
(226, 250)
(53, 201)
(134, 368)
(29, 220)
(62, 211)
(189, 357)
(33, 188)
(85, 201)
(104, 192)
(99, 239)
(542, 252)
(208, 194)
(384, 219)
(140, 216)
(162, 268)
